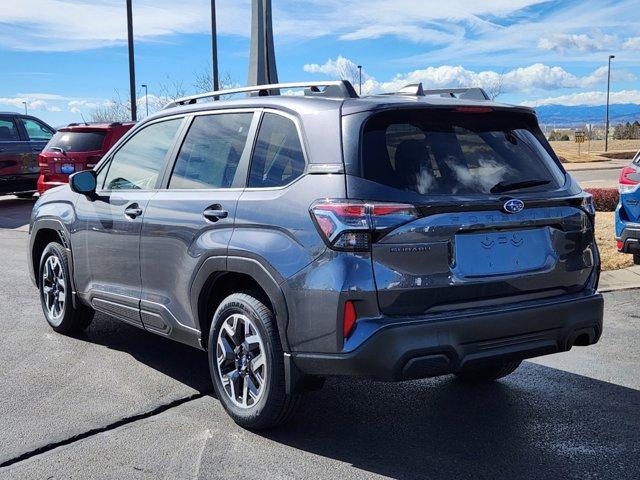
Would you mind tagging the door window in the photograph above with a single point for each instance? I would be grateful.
(137, 164)
(8, 130)
(37, 131)
(277, 158)
(211, 151)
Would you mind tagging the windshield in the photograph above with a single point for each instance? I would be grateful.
(444, 152)
(76, 141)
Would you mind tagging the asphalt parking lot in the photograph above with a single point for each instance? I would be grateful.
(117, 402)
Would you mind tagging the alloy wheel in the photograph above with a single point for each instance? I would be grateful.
(241, 359)
(53, 287)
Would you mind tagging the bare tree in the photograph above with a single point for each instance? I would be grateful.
(495, 88)
(116, 110)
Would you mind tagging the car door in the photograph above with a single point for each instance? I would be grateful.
(106, 243)
(37, 134)
(191, 218)
(14, 158)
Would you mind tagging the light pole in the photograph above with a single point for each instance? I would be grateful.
(26, 112)
(360, 79)
(606, 127)
(132, 68)
(146, 97)
(214, 47)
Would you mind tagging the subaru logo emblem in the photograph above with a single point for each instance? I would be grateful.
(513, 206)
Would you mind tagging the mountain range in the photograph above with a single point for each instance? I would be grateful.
(579, 115)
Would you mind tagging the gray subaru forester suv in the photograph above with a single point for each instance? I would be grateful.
(395, 236)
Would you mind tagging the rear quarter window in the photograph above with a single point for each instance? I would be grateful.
(444, 152)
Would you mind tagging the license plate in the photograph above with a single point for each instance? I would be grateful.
(500, 253)
(67, 168)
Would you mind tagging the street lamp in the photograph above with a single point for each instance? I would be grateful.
(214, 47)
(132, 68)
(606, 127)
(146, 97)
(360, 79)
(25, 108)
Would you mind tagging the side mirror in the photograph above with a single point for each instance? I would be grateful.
(83, 182)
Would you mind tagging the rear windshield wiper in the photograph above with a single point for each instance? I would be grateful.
(501, 187)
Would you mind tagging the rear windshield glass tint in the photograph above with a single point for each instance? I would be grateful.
(435, 152)
(77, 141)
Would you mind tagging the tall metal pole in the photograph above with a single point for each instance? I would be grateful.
(146, 97)
(606, 127)
(360, 79)
(132, 68)
(26, 112)
(214, 47)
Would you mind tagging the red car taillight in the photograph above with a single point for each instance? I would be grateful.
(626, 184)
(45, 169)
(351, 225)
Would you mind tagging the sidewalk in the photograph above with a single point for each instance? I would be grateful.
(624, 279)
(604, 165)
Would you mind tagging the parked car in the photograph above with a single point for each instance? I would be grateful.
(74, 148)
(628, 210)
(22, 138)
(395, 237)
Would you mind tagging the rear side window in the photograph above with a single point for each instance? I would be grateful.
(443, 152)
(38, 132)
(137, 164)
(211, 151)
(77, 141)
(8, 130)
(277, 157)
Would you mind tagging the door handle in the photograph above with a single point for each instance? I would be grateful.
(215, 213)
(133, 211)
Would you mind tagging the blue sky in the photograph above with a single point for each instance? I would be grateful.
(68, 56)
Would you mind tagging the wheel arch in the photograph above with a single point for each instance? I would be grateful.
(218, 277)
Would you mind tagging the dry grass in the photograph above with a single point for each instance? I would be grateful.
(569, 150)
(605, 236)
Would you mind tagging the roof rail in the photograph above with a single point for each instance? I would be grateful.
(333, 88)
(415, 89)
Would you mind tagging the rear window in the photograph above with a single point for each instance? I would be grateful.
(77, 141)
(435, 152)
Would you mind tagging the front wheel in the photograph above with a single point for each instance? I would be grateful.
(247, 363)
(55, 293)
(636, 258)
(488, 372)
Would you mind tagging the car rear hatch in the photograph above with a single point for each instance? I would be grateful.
(72, 151)
(629, 187)
(490, 216)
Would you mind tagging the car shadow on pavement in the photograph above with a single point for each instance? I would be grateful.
(15, 212)
(181, 362)
(538, 423)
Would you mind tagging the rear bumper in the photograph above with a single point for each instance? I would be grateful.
(426, 348)
(630, 239)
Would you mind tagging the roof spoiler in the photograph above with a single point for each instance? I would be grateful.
(472, 93)
(332, 89)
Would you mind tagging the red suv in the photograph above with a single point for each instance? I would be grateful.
(74, 148)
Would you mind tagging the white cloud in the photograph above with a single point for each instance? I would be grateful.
(588, 98)
(32, 103)
(532, 78)
(564, 42)
(632, 43)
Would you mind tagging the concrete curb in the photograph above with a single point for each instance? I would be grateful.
(624, 279)
(616, 164)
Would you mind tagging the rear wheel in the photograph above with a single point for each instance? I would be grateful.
(55, 293)
(636, 258)
(488, 372)
(247, 363)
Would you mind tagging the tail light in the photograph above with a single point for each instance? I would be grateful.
(629, 180)
(44, 165)
(352, 225)
(620, 245)
(349, 319)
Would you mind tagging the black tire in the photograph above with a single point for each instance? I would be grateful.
(71, 319)
(273, 406)
(636, 258)
(489, 372)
